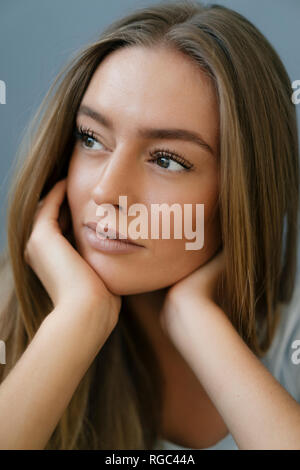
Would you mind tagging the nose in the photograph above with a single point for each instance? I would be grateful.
(118, 176)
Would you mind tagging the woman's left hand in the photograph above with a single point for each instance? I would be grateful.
(203, 283)
(204, 288)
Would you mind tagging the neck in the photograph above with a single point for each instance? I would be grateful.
(147, 301)
(146, 308)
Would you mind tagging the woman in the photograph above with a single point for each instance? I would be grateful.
(137, 348)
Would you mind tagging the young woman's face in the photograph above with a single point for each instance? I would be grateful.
(137, 88)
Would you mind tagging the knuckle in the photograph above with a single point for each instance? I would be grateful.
(34, 238)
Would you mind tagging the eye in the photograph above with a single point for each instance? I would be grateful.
(165, 158)
(88, 139)
(170, 160)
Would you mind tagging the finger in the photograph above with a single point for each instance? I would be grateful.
(216, 267)
(206, 277)
(216, 262)
(38, 209)
(50, 205)
(212, 267)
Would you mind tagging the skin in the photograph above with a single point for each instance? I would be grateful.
(210, 376)
(157, 88)
(136, 88)
(211, 379)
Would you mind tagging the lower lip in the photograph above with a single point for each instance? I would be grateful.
(109, 245)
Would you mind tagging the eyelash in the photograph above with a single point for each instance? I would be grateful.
(81, 133)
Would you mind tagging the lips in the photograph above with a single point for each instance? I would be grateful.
(110, 233)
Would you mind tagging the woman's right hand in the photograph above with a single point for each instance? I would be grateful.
(66, 276)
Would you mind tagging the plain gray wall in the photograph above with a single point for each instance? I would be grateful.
(38, 37)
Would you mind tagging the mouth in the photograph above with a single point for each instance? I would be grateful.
(110, 234)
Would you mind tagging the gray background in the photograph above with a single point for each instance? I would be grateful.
(37, 37)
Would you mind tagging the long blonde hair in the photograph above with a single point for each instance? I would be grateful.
(118, 404)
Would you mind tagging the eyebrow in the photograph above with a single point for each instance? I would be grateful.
(149, 133)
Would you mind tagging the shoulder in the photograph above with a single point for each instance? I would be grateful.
(283, 357)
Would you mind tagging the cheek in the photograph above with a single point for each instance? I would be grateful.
(76, 191)
(174, 252)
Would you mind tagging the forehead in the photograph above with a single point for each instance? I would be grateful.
(143, 86)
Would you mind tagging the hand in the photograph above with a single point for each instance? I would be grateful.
(205, 283)
(205, 287)
(66, 276)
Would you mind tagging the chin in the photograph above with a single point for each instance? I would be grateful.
(125, 288)
(132, 286)
(129, 283)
